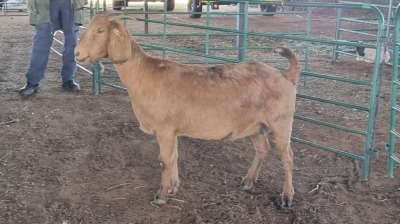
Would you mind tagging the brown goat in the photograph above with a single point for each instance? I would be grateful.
(223, 102)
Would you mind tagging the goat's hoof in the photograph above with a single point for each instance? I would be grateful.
(286, 202)
(246, 187)
(159, 201)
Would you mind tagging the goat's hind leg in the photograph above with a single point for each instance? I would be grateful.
(262, 146)
(281, 131)
(167, 160)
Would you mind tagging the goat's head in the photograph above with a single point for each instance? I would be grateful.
(104, 38)
(360, 50)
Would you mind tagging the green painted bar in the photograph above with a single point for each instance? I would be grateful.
(357, 32)
(396, 108)
(190, 26)
(113, 86)
(194, 54)
(329, 149)
(392, 159)
(324, 41)
(336, 78)
(373, 104)
(359, 21)
(333, 102)
(331, 125)
(395, 133)
(95, 78)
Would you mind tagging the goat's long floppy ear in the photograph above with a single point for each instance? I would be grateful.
(119, 45)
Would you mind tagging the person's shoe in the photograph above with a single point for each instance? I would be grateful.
(29, 89)
(71, 86)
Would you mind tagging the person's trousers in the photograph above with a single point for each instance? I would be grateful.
(62, 14)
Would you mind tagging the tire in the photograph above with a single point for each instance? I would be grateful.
(192, 8)
(268, 8)
(170, 5)
(118, 4)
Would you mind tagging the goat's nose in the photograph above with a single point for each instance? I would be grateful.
(76, 53)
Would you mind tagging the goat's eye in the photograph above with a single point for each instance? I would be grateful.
(100, 31)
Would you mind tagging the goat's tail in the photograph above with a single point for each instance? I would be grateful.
(292, 74)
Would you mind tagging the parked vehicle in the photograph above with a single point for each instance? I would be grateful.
(195, 7)
(119, 4)
(268, 8)
(20, 5)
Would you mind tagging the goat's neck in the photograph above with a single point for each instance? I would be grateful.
(131, 71)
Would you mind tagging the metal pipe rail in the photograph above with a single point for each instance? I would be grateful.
(61, 43)
(394, 109)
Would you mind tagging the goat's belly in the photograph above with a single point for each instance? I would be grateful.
(223, 133)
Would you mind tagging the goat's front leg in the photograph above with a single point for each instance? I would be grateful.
(168, 162)
(174, 180)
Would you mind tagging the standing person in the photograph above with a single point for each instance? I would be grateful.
(48, 16)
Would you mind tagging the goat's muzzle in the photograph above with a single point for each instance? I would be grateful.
(81, 59)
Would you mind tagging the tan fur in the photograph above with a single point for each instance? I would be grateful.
(224, 102)
(119, 41)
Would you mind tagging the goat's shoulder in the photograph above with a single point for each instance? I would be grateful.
(159, 67)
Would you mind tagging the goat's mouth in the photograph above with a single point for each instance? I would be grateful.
(84, 60)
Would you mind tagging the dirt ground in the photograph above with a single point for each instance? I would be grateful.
(72, 158)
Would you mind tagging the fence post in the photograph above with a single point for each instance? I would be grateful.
(241, 39)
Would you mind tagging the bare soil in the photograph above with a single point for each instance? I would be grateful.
(74, 158)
